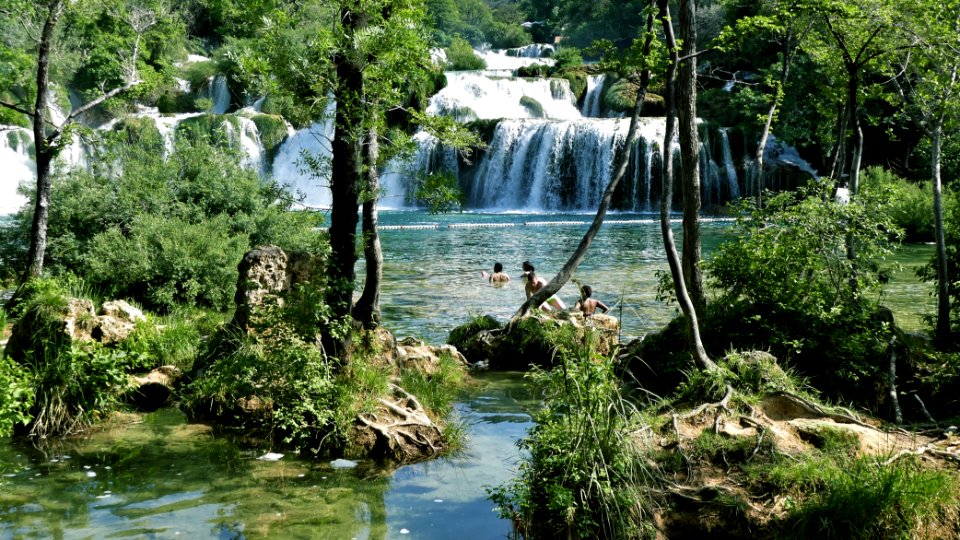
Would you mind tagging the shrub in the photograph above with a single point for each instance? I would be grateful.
(911, 205)
(787, 285)
(17, 393)
(860, 499)
(583, 476)
(460, 56)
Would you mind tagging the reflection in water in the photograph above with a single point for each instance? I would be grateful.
(165, 478)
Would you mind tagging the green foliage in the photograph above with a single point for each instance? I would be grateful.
(788, 286)
(163, 230)
(928, 272)
(439, 192)
(174, 339)
(460, 56)
(17, 393)
(437, 390)
(583, 475)
(620, 96)
(566, 58)
(860, 499)
(460, 334)
(911, 205)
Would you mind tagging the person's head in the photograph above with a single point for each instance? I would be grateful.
(497, 268)
(527, 267)
(586, 290)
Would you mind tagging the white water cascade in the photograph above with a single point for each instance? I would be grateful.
(471, 95)
(591, 102)
(17, 165)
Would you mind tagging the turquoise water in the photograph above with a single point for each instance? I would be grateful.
(432, 282)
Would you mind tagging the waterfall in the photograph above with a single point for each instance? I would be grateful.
(591, 102)
(289, 167)
(534, 50)
(248, 140)
(431, 157)
(502, 60)
(539, 165)
(471, 96)
(219, 94)
(17, 166)
(733, 187)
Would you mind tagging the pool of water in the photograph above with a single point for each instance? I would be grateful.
(432, 265)
(166, 478)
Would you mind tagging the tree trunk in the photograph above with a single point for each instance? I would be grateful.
(566, 272)
(690, 152)
(45, 151)
(689, 310)
(787, 58)
(345, 190)
(367, 309)
(943, 334)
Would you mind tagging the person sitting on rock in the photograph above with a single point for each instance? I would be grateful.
(534, 283)
(498, 276)
(589, 305)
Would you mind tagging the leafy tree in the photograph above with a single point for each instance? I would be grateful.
(49, 138)
(929, 88)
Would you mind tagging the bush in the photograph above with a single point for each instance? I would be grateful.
(198, 204)
(583, 475)
(787, 285)
(17, 393)
(460, 56)
(911, 205)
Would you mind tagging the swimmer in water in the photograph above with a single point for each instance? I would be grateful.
(589, 305)
(498, 277)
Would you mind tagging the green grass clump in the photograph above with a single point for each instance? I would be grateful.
(861, 499)
(532, 106)
(583, 475)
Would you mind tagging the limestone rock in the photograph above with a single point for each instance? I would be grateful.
(398, 430)
(426, 358)
(153, 390)
(121, 310)
(266, 273)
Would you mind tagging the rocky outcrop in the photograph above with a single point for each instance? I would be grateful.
(398, 430)
(528, 341)
(267, 275)
(415, 354)
(153, 390)
(46, 331)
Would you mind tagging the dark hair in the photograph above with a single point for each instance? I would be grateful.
(497, 267)
(527, 266)
(587, 291)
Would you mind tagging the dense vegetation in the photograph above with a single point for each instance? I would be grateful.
(864, 89)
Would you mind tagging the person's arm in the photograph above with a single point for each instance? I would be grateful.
(602, 306)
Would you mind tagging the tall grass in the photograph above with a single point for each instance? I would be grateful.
(583, 474)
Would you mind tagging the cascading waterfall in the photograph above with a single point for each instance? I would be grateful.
(431, 157)
(475, 95)
(219, 94)
(733, 187)
(539, 165)
(591, 102)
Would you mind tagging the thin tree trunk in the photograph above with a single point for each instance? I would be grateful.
(690, 152)
(700, 355)
(345, 191)
(943, 334)
(566, 272)
(45, 151)
(367, 308)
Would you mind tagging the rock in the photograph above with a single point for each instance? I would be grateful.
(79, 320)
(426, 358)
(527, 342)
(121, 310)
(266, 274)
(398, 430)
(153, 390)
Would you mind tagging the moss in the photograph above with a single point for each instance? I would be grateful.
(272, 130)
(139, 130)
(485, 128)
(459, 335)
(578, 82)
(198, 74)
(210, 127)
(532, 106)
(533, 70)
(619, 96)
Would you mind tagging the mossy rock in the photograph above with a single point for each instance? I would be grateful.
(578, 82)
(485, 128)
(533, 71)
(210, 127)
(272, 130)
(140, 131)
(533, 107)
